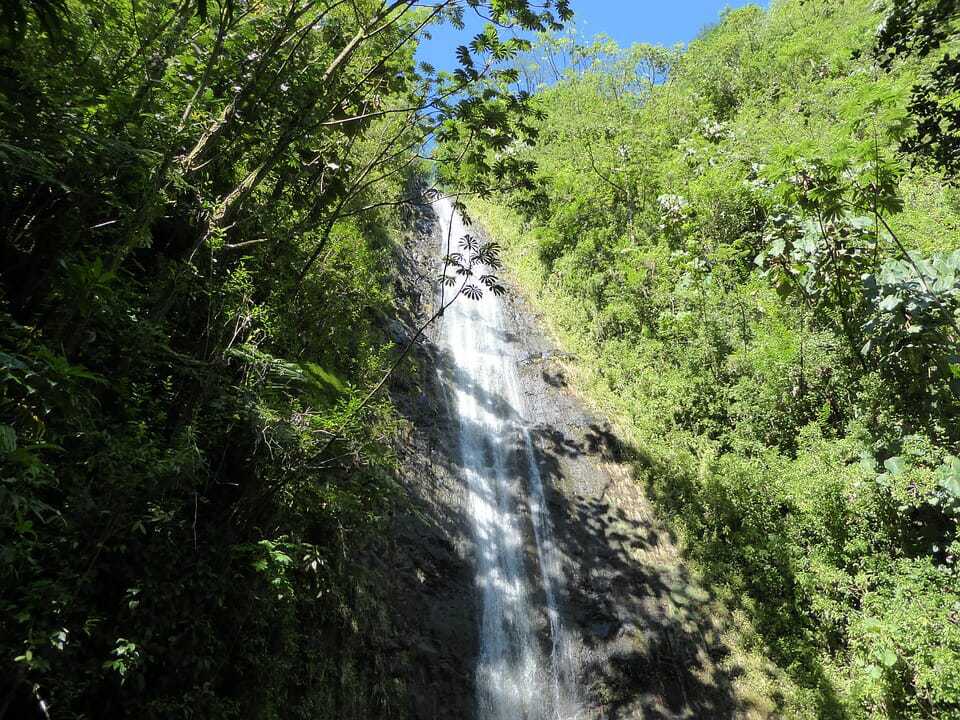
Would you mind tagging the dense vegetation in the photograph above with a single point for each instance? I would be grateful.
(200, 210)
(753, 246)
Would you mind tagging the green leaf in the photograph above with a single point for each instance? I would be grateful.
(888, 658)
(10, 362)
(890, 303)
(319, 374)
(895, 465)
(8, 440)
(950, 476)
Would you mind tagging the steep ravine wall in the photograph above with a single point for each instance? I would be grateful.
(651, 640)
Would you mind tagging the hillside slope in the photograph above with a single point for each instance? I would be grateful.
(725, 251)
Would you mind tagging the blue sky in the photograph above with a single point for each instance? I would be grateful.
(626, 21)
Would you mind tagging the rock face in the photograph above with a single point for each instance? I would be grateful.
(426, 560)
(648, 638)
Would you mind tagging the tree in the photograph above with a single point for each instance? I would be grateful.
(199, 205)
(919, 28)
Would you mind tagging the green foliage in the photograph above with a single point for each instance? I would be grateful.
(918, 30)
(912, 332)
(200, 204)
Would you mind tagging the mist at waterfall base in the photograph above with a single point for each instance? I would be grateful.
(526, 669)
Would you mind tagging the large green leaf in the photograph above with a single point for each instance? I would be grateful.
(8, 439)
(950, 476)
(895, 465)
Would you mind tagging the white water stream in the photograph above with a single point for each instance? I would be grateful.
(525, 671)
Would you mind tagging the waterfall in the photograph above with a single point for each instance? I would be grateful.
(517, 677)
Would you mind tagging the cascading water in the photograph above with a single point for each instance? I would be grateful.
(516, 678)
